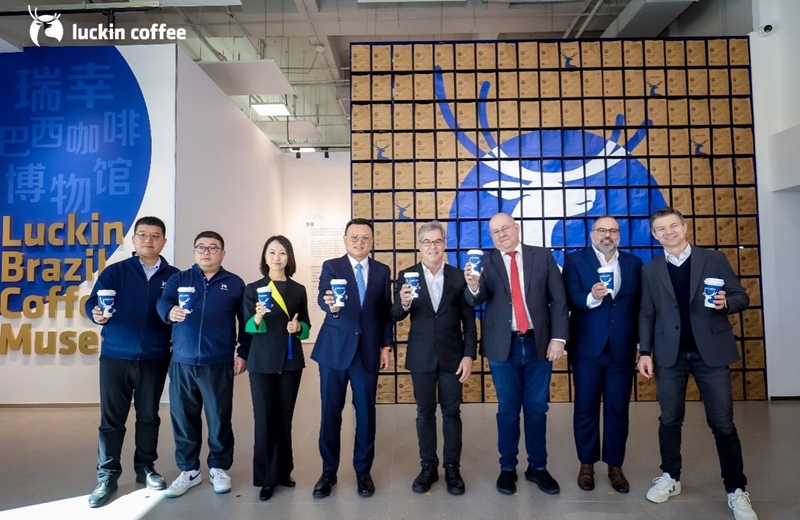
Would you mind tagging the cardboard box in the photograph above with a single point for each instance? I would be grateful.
(698, 141)
(592, 86)
(528, 55)
(645, 388)
(440, 121)
(746, 201)
(743, 141)
(614, 108)
(403, 57)
(383, 208)
(701, 171)
(361, 118)
(680, 171)
(725, 202)
(508, 85)
(754, 353)
(696, 53)
(381, 57)
(462, 151)
(402, 327)
(571, 113)
(755, 387)
(740, 82)
(698, 82)
(382, 176)
(360, 87)
(471, 389)
(465, 56)
(360, 59)
(506, 55)
(699, 112)
(718, 82)
(634, 112)
(654, 53)
(720, 111)
(676, 53)
(487, 81)
(590, 54)
(402, 354)
(423, 56)
(401, 119)
(403, 87)
(529, 84)
(723, 170)
(382, 87)
(753, 324)
(739, 51)
(704, 202)
(657, 111)
(721, 141)
(425, 148)
(405, 234)
(655, 83)
(551, 114)
(508, 114)
(529, 114)
(657, 143)
(446, 177)
(403, 176)
(549, 57)
(549, 84)
(633, 53)
(467, 115)
(362, 205)
(748, 262)
(486, 56)
(559, 388)
(612, 83)
(425, 205)
(704, 232)
(571, 86)
(386, 258)
(360, 148)
(592, 112)
(382, 117)
(659, 169)
(570, 55)
(423, 87)
(404, 261)
(745, 173)
(726, 231)
(718, 52)
(489, 391)
(362, 176)
(682, 200)
(742, 111)
(384, 231)
(423, 116)
(465, 86)
(386, 389)
(612, 53)
(405, 389)
(678, 112)
(444, 204)
(445, 146)
(443, 56)
(425, 175)
(676, 82)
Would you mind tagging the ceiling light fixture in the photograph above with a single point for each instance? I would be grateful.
(271, 109)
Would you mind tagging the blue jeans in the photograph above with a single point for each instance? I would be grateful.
(523, 384)
(714, 384)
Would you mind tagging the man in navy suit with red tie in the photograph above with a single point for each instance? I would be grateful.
(603, 336)
(354, 342)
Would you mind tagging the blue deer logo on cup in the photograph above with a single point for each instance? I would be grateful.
(551, 180)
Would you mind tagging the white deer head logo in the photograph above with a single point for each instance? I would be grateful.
(52, 27)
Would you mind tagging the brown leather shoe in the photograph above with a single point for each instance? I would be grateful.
(618, 480)
(586, 477)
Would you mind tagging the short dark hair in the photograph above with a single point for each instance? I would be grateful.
(291, 263)
(210, 234)
(151, 221)
(359, 222)
(601, 217)
(665, 212)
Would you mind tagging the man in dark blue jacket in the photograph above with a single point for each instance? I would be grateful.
(354, 342)
(603, 335)
(203, 366)
(133, 360)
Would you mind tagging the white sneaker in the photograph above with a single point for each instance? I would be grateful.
(220, 479)
(739, 502)
(665, 487)
(182, 484)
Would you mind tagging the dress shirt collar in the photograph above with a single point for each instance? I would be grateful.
(678, 260)
(429, 272)
(518, 249)
(153, 268)
(364, 263)
(602, 256)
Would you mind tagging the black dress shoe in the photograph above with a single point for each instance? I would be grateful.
(455, 484)
(288, 482)
(427, 476)
(506, 482)
(150, 478)
(265, 493)
(366, 487)
(102, 494)
(543, 479)
(325, 484)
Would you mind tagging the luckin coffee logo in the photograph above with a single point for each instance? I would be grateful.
(52, 26)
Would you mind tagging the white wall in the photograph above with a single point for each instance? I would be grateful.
(775, 73)
(315, 191)
(713, 18)
(229, 175)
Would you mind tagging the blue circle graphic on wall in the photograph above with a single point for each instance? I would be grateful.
(553, 182)
(75, 152)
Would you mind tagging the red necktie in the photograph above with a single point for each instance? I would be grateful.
(516, 295)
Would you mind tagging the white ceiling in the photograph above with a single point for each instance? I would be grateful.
(309, 40)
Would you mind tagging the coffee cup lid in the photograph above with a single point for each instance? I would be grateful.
(186, 289)
(266, 288)
(475, 252)
(714, 281)
(411, 274)
(338, 281)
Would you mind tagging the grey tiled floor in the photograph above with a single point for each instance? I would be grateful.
(49, 456)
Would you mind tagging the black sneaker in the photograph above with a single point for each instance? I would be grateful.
(455, 484)
(427, 476)
(506, 482)
(543, 479)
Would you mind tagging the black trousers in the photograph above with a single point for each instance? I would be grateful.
(120, 381)
(274, 398)
(192, 388)
(450, 401)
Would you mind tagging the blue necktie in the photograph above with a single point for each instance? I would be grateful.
(362, 287)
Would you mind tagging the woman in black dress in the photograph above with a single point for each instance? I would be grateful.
(275, 363)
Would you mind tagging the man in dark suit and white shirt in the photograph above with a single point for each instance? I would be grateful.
(678, 336)
(603, 335)
(354, 342)
(442, 344)
(525, 328)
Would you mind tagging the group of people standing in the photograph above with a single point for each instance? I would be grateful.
(655, 318)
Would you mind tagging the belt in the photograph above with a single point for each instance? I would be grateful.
(518, 334)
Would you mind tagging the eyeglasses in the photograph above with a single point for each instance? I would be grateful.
(212, 250)
(502, 231)
(354, 239)
(155, 237)
(428, 243)
(603, 231)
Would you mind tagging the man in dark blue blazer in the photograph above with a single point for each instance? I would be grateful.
(683, 331)
(525, 328)
(602, 347)
(353, 344)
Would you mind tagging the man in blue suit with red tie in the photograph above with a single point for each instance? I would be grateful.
(354, 343)
(602, 348)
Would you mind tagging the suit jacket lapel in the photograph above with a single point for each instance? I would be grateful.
(663, 274)
(424, 290)
(527, 267)
(625, 273)
(499, 265)
(698, 263)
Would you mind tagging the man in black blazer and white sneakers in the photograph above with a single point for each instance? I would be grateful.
(442, 344)
(679, 335)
